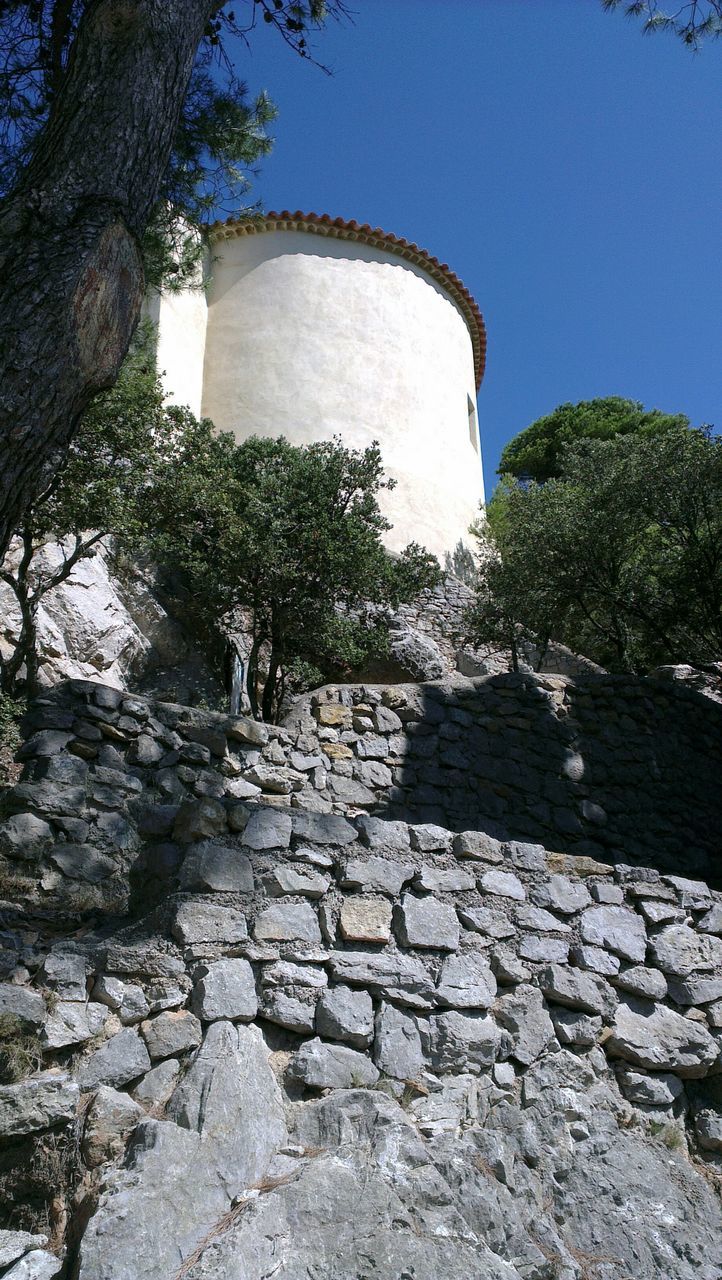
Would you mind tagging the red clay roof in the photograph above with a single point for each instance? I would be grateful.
(322, 224)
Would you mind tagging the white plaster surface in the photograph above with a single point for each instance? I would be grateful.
(311, 337)
(180, 319)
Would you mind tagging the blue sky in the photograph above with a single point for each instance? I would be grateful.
(568, 168)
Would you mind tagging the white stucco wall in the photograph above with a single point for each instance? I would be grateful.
(311, 337)
(180, 320)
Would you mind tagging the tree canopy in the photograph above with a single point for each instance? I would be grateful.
(537, 452)
(619, 556)
(104, 488)
(292, 537)
(691, 20)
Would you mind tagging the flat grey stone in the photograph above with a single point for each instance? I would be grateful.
(577, 990)
(711, 921)
(383, 837)
(171, 1032)
(463, 1041)
(444, 880)
(543, 949)
(66, 973)
(427, 923)
(121, 1059)
(287, 880)
(82, 862)
(332, 1066)
(287, 921)
(466, 982)
(344, 1014)
(691, 893)
(650, 1035)
(490, 923)
(204, 922)
(606, 893)
(290, 1010)
(212, 865)
(111, 1117)
(503, 884)
(268, 829)
(477, 844)
(579, 1029)
(642, 981)
(596, 959)
(323, 828)
(680, 950)
(157, 1085)
(347, 791)
(708, 1129)
(658, 1090)
(36, 1265)
(13, 1244)
(397, 1046)
(376, 875)
(25, 836)
(198, 819)
(617, 929)
(225, 989)
(560, 893)
(428, 838)
(41, 1102)
(659, 912)
(23, 1003)
(73, 1022)
(402, 978)
(124, 998)
(695, 990)
(524, 1015)
(372, 746)
(537, 920)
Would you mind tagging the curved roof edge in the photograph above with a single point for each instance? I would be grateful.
(324, 225)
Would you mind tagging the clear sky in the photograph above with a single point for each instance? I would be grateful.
(567, 167)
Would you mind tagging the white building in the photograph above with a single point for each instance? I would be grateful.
(312, 327)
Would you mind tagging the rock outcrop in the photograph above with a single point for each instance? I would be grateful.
(272, 1040)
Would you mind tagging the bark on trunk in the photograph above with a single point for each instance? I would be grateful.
(71, 277)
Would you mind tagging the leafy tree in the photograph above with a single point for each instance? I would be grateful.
(292, 536)
(117, 124)
(536, 453)
(619, 557)
(104, 488)
(692, 20)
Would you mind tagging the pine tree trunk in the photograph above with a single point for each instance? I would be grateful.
(71, 277)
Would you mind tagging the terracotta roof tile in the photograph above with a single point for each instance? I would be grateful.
(323, 224)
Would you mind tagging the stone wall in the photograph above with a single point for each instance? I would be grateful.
(344, 1046)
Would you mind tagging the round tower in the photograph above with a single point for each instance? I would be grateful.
(319, 327)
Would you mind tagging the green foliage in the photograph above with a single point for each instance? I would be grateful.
(620, 557)
(536, 453)
(692, 20)
(293, 536)
(103, 489)
(222, 132)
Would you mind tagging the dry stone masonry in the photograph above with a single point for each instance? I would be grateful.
(271, 1031)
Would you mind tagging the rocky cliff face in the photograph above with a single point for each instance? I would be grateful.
(253, 1037)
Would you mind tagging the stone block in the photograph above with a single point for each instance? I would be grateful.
(560, 893)
(444, 880)
(23, 1003)
(198, 819)
(503, 884)
(641, 981)
(72, 1022)
(463, 1041)
(401, 978)
(366, 918)
(287, 921)
(574, 1028)
(294, 880)
(41, 1102)
(680, 950)
(477, 844)
(204, 922)
(652, 1036)
(332, 1066)
(397, 1045)
(171, 1032)
(577, 989)
(345, 1014)
(225, 989)
(427, 838)
(215, 866)
(376, 875)
(524, 1015)
(268, 829)
(616, 929)
(426, 923)
(121, 1059)
(466, 981)
(492, 924)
